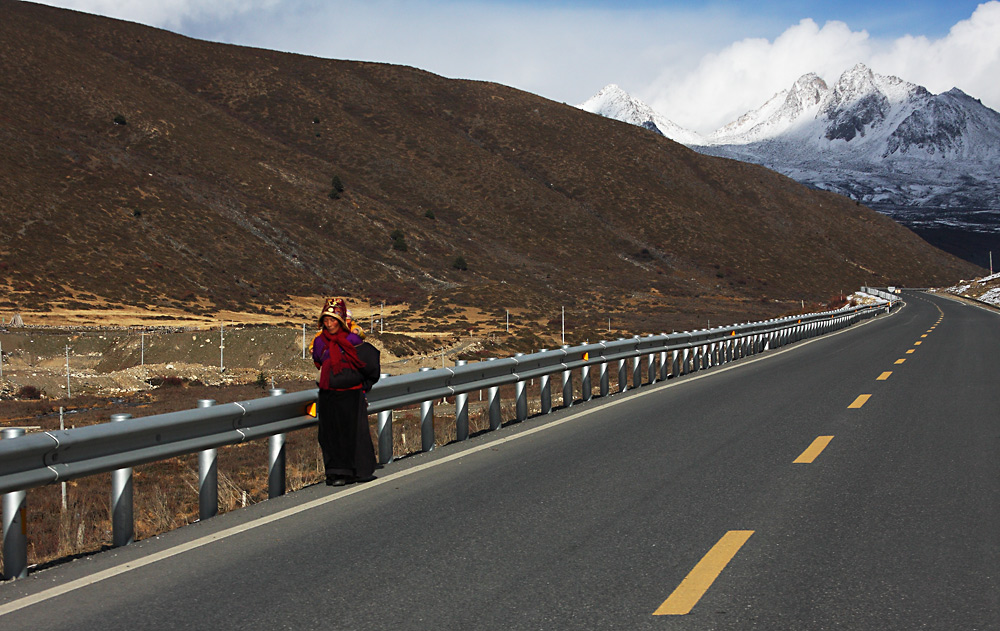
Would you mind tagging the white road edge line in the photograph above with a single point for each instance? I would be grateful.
(79, 583)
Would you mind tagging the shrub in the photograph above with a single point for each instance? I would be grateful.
(459, 263)
(315, 120)
(30, 392)
(337, 186)
(120, 120)
(398, 240)
(429, 214)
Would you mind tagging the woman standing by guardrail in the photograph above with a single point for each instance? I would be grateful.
(349, 367)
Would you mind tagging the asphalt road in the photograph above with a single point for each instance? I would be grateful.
(751, 496)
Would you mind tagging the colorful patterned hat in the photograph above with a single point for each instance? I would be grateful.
(335, 307)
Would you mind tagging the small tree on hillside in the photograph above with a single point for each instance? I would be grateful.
(337, 187)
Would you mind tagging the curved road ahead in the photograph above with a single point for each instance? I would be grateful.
(848, 482)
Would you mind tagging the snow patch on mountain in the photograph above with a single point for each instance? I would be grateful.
(879, 139)
(614, 102)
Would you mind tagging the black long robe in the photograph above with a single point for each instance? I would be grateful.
(343, 435)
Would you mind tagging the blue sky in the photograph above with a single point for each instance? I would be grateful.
(701, 64)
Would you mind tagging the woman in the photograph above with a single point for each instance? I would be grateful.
(347, 373)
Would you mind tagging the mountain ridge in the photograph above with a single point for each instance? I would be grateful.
(173, 173)
(878, 139)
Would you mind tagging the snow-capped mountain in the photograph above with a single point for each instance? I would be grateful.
(613, 102)
(881, 140)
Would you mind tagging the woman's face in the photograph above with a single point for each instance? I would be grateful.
(331, 324)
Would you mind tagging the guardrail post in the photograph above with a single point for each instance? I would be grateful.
(520, 398)
(208, 476)
(426, 422)
(384, 431)
(276, 459)
(567, 385)
(544, 392)
(663, 365)
(651, 367)
(622, 376)
(461, 410)
(604, 378)
(122, 524)
(586, 387)
(15, 524)
(493, 399)
(637, 371)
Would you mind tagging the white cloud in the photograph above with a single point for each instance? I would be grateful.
(563, 53)
(169, 14)
(967, 58)
(743, 75)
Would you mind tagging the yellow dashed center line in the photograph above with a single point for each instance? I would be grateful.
(814, 450)
(924, 335)
(909, 352)
(900, 361)
(883, 376)
(695, 584)
(861, 400)
(917, 343)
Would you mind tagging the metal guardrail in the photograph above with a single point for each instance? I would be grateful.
(888, 296)
(29, 461)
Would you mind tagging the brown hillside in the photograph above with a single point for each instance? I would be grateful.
(215, 192)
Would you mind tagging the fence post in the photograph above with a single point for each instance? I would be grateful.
(461, 410)
(384, 434)
(567, 385)
(276, 459)
(15, 524)
(208, 476)
(426, 422)
(122, 524)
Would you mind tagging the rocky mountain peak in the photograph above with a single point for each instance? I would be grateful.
(614, 102)
(809, 89)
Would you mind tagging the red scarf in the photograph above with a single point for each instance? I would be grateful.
(340, 355)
